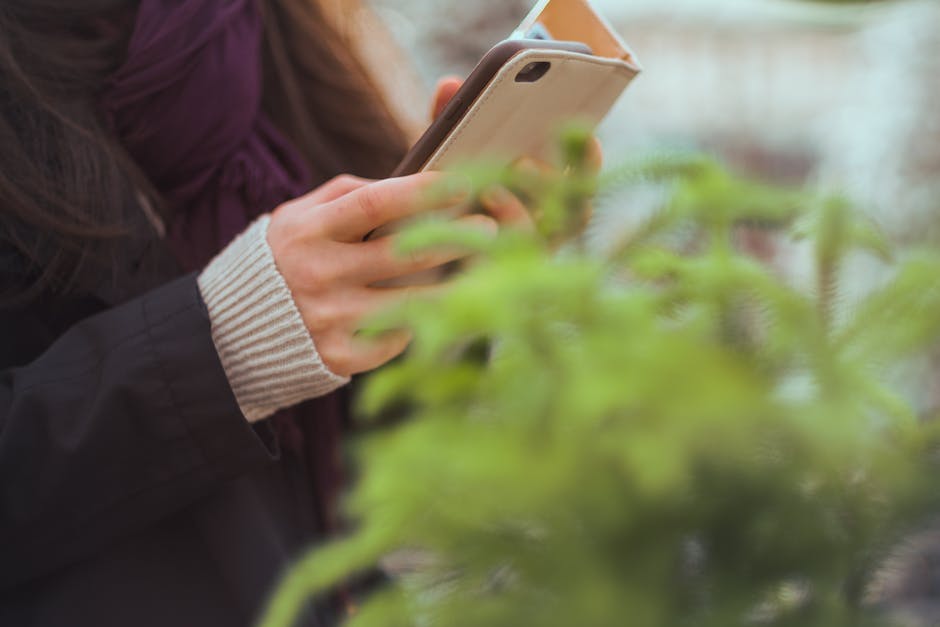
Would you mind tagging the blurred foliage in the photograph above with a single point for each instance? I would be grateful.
(672, 434)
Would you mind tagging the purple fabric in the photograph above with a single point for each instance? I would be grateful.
(186, 104)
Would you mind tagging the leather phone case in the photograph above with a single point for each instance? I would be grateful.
(512, 119)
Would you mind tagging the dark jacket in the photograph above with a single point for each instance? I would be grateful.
(132, 490)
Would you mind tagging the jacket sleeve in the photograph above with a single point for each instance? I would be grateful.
(126, 419)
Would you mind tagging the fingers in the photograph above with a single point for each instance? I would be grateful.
(480, 222)
(346, 313)
(345, 353)
(381, 260)
(595, 155)
(507, 209)
(335, 188)
(351, 217)
(353, 355)
(446, 89)
(533, 167)
(594, 161)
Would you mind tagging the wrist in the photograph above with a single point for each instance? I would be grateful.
(268, 355)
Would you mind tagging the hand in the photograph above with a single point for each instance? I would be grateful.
(317, 245)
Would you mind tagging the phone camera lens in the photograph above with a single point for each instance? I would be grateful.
(533, 72)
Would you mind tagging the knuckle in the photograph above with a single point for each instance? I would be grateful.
(334, 351)
(340, 367)
(371, 202)
(342, 181)
(314, 320)
(321, 317)
(347, 180)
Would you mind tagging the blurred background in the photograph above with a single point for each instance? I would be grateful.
(840, 96)
(843, 95)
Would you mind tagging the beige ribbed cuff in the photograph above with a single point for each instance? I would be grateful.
(265, 349)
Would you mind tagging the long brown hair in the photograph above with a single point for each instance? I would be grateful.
(319, 92)
(66, 184)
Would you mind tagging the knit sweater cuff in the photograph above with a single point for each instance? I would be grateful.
(267, 353)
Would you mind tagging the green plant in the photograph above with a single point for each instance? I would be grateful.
(670, 435)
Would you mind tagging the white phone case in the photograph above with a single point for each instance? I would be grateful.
(511, 119)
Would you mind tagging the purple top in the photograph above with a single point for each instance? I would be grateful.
(186, 105)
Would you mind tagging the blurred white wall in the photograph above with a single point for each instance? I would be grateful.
(785, 89)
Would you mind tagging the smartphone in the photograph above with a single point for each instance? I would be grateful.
(563, 63)
(475, 86)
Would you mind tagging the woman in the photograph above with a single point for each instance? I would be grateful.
(151, 472)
